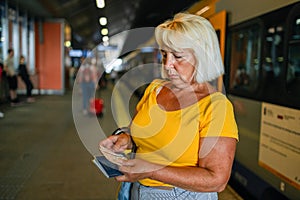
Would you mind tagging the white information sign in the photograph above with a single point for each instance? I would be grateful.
(279, 149)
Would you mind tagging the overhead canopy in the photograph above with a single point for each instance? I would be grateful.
(83, 15)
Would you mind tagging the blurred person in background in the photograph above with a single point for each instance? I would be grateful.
(11, 77)
(87, 77)
(23, 73)
(1, 79)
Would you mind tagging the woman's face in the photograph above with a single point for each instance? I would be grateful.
(179, 66)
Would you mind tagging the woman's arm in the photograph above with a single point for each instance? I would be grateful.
(215, 162)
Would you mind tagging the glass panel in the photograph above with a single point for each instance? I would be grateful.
(273, 61)
(31, 40)
(20, 21)
(16, 41)
(4, 32)
(1, 33)
(293, 71)
(244, 61)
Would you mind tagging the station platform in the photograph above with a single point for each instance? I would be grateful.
(42, 156)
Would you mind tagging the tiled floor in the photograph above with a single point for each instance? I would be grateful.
(42, 156)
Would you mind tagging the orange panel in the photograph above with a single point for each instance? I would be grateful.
(49, 56)
(218, 21)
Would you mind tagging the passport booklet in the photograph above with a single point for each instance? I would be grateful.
(108, 168)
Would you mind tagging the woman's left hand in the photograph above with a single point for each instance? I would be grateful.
(136, 169)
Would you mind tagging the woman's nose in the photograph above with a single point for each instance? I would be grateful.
(169, 60)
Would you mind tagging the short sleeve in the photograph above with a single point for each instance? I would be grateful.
(217, 118)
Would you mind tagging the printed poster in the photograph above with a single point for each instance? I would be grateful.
(279, 148)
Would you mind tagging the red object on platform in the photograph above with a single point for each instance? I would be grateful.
(96, 106)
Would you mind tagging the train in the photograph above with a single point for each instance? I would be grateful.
(263, 82)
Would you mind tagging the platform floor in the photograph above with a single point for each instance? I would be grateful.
(42, 157)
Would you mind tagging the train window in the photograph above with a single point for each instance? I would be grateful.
(293, 69)
(244, 59)
(273, 62)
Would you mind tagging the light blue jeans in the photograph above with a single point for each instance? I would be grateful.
(140, 192)
(88, 90)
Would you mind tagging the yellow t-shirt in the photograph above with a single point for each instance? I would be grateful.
(172, 137)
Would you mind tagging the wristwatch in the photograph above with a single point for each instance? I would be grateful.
(119, 131)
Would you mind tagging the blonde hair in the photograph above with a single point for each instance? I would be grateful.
(194, 32)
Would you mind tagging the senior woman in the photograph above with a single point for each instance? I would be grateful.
(184, 129)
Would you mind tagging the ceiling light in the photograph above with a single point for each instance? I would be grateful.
(106, 43)
(100, 3)
(67, 43)
(203, 10)
(105, 39)
(103, 21)
(104, 31)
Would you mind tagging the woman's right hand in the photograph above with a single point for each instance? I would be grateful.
(117, 143)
